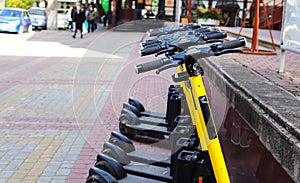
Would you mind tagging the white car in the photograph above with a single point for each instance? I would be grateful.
(38, 17)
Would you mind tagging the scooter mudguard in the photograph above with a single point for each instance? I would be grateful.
(137, 104)
(116, 153)
(97, 175)
(132, 108)
(122, 141)
(111, 166)
(129, 117)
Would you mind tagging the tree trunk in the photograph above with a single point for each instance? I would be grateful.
(52, 14)
(210, 3)
(99, 9)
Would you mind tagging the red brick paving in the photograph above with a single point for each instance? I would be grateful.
(268, 65)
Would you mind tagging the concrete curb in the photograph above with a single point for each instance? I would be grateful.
(264, 106)
(261, 42)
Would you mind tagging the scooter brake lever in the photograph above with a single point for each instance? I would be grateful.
(165, 67)
(169, 49)
(229, 51)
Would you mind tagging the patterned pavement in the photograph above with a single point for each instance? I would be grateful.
(53, 89)
(60, 98)
(268, 65)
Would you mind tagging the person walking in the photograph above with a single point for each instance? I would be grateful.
(92, 16)
(70, 13)
(104, 18)
(97, 18)
(78, 18)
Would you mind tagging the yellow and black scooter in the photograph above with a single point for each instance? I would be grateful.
(132, 122)
(204, 164)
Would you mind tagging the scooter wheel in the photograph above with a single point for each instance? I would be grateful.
(106, 166)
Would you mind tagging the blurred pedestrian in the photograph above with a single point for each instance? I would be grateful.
(97, 18)
(78, 18)
(70, 14)
(92, 16)
(104, 18)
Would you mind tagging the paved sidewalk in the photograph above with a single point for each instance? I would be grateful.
(61, 97)
(53, 90)
(268, 65)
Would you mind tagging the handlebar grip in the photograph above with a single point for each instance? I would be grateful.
(234, 43)
(218, 35)
(150, 50)
(149, 41)
(202, 30)
(192, 26)
(151, 45)
(152, 65)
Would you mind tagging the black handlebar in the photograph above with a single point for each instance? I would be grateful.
(229, 44)
(181, 43)
(175, 35)
(234, 43)
(194, 53)
(148, 66)
(151, 50)
(149, 41)
(201, 30)
(217, 35)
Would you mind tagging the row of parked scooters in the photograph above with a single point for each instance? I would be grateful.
(188, 126)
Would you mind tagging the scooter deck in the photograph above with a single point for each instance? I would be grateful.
(145, 129)
(149, 171)
(146, 157)
(153, 114)
(153, 121)
(139, 113)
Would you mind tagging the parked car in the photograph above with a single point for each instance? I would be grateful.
(38, 17)
(15, 20)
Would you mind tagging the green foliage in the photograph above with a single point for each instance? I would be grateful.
(26, 4)
(208, 13)
(214, 15)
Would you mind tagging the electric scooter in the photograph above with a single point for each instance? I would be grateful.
(193, 165)
(157, 166)
(173, 89)
(133, 123)
(186, 134)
